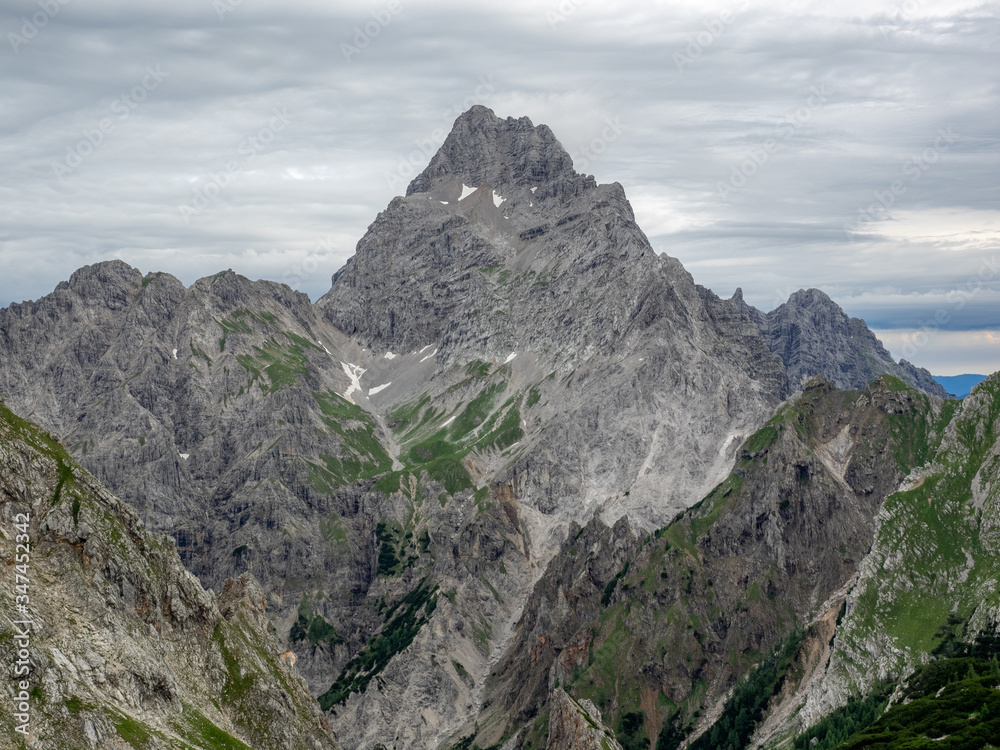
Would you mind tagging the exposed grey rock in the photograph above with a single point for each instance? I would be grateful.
(662, 374)
(198, 406)
(506, 154)
(576, 725)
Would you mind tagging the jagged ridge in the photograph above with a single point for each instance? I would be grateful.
(814, 336)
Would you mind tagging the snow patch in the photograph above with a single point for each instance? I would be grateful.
(510, 357)
(467, 191)
(429, 355)
(425, 349)
(531, 205)
(175, 354)
(534, 189)
(354, 372)
(443, 203)
(379, 388)
(185, 456)
(390, 355)
(449, 420)
(497, 200)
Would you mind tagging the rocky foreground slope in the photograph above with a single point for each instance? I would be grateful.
(847, 563)
(504, 361)
(655, 629)
(124, 648)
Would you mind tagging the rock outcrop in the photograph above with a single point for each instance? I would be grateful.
(577, 725)
(931, 574)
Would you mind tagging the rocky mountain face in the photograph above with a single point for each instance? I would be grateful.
(442, 466)
(122, 646)
(931, 575)
(544, 271)
(814, 336)
(209, 410)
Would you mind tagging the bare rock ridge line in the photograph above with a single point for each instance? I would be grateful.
(438, 470)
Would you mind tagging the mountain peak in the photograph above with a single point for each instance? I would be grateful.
(813, 335)
(105, 272)
(483, 149)
(811, 298)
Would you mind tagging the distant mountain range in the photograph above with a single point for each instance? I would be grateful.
(959, 386)
(515, 481)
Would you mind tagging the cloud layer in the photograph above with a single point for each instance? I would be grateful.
(768, 146)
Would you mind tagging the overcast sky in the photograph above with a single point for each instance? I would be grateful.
(777, 146)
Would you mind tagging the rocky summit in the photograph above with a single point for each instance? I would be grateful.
(515, 481)
(813, 336)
